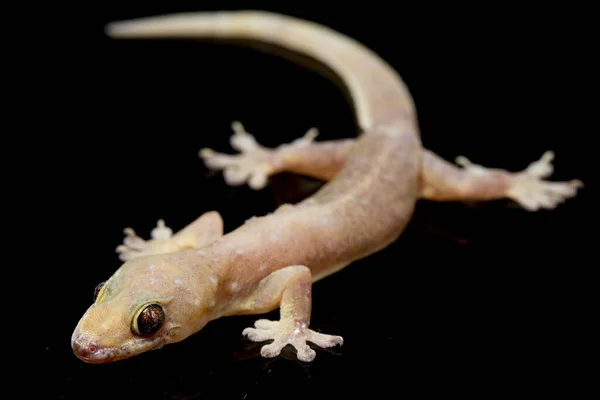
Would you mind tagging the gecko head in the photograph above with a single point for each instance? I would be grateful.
(141, 307)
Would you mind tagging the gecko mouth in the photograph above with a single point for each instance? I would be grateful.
(89, 351)
(92, 354)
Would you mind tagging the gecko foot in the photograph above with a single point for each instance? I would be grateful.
(286, 332)
(134, 246)
(532, 193)
(254, 164)
(527, 187)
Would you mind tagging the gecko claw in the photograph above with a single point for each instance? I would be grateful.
(285, 332)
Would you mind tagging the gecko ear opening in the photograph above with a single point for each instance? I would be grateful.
(148, 320)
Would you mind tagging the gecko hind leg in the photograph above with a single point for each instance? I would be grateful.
(290, 288)
(528, 187)
(255, 163)
(443, 181)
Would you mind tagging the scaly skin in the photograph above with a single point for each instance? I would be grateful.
(172, 285)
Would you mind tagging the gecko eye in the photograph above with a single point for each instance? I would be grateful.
(149, 320)
(97, 289)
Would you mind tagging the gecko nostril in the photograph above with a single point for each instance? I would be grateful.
(85, 350)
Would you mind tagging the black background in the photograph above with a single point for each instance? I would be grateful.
(474, 299)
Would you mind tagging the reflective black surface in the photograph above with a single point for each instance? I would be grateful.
(474, 299)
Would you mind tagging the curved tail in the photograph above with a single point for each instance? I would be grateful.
(377, 91)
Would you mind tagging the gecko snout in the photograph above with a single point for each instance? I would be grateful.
(88, 351)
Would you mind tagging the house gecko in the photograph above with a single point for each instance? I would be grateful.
(170, 286)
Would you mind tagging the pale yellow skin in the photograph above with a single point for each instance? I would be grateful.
(199, 274)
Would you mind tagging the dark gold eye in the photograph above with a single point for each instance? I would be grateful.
(149, 320)
(97, 289)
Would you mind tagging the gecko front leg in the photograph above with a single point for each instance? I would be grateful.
(203, 231)
(290, 289)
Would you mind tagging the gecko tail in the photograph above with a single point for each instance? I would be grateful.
(149, 26)
(356, 65)
(193, 24)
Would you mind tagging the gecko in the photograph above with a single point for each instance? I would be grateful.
(171, 285)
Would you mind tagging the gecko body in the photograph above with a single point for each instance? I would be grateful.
(172, 285)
